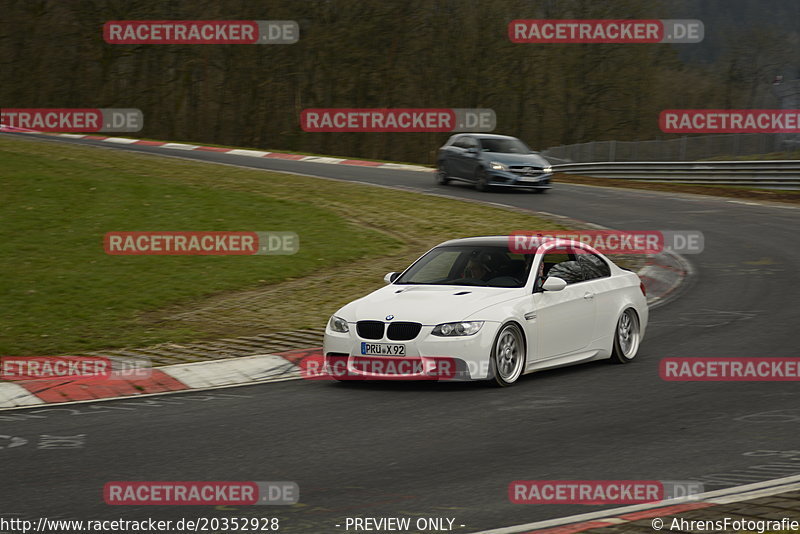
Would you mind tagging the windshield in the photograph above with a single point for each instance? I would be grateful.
(504, 146)
(489, 266)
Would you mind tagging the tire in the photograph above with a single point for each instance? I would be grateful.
(481, 180)
(540, 191)
(507, 360)
(442, 178)
(627, 336)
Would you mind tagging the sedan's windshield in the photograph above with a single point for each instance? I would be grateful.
(504, 146)
(489, 266)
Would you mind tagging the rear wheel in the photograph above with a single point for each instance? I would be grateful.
(626, 337)
(481, 180)
(508, 356)
(442, 178)
(540, 191)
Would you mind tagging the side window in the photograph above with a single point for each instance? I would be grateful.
(488, 145)
(458, 142)
(593, 266)
(470, 142)
(564, 266)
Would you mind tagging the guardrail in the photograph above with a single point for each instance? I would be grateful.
(777, 174)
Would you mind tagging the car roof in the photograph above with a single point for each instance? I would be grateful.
(500, 241)
(489, 240)
(489, 136)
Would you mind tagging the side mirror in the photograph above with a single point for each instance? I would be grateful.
(472, 150)
(390, 277)
(554, 283)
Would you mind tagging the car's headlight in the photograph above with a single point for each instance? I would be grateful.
(497, 166)
(547, 170)
(338, 324)
(461, 328)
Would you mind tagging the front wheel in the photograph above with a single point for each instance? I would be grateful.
(508, 356)
(540, 191)
(442, 178)
(481, 180)
(626, 337)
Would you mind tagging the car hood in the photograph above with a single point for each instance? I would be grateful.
(426, 304)
(516, 159)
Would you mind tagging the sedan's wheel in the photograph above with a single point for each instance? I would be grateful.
(626, 337)
(442, 178)
(540, 191)
(481, 180)
(508, 356)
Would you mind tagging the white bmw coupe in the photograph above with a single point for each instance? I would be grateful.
(477, 309)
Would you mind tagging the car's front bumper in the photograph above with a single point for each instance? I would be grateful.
(428, 357)
(511, 179)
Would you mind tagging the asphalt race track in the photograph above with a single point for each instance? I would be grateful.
(451, 450)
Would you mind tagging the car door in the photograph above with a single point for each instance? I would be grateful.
(464, 157)
(597, 276)
(564, 319)
(455, 157)
(472, 157)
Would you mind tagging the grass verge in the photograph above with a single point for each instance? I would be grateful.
(60, 293)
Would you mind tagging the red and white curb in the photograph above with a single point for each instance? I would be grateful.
(232, 151)
(288, 365)
(663, 276)
(660, 509)
(173, 378)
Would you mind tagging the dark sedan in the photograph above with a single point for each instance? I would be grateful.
(489, 160)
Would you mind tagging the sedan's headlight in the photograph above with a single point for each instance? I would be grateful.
(497, 166)
(338, 324)
(547, 170)
(461, 328)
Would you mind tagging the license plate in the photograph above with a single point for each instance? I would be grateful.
(382, 349)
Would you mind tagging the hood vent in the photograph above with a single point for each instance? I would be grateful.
(463, 293)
